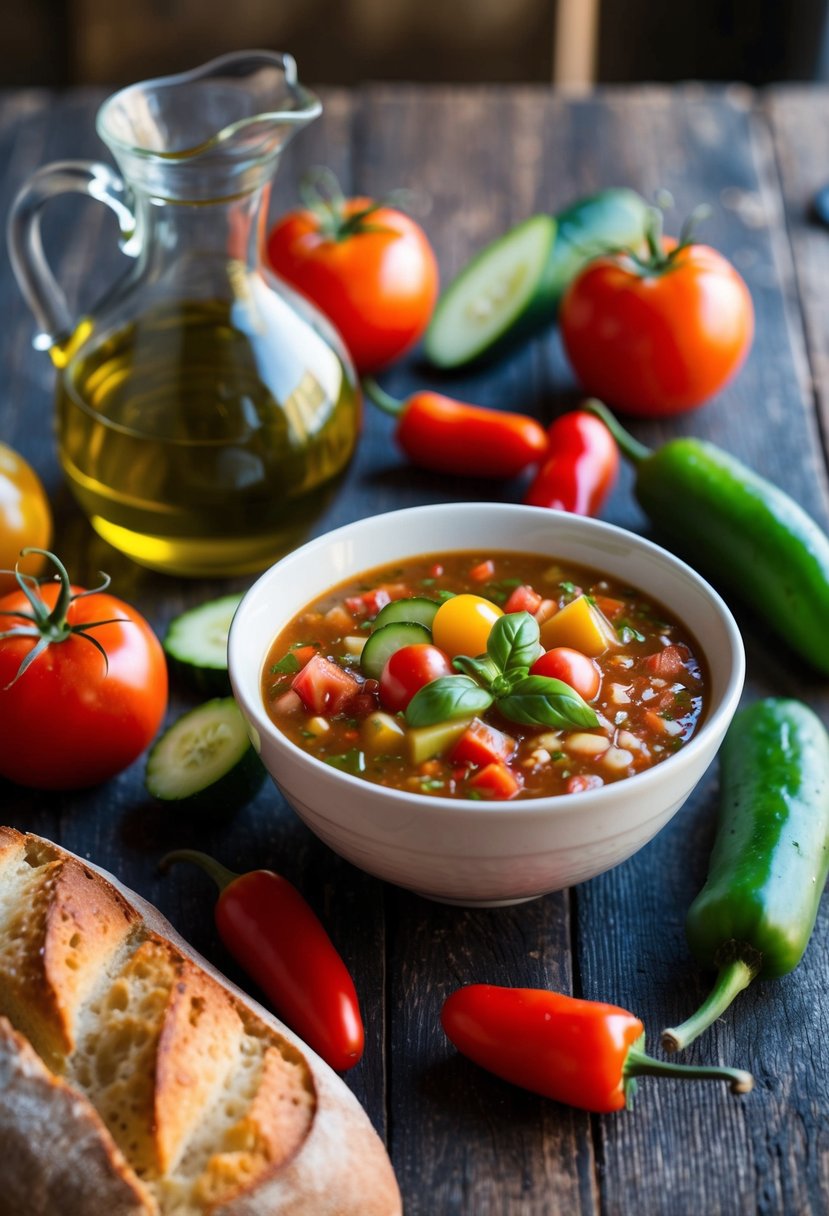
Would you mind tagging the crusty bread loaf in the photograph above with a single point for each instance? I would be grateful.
(135, 1079)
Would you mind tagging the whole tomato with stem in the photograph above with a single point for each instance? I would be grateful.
(367, 265)
(660, 332)
(25, 517)
(83, 683)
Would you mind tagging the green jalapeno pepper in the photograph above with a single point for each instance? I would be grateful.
(742, 530)
(755, 914)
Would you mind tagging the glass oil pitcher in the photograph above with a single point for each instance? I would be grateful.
(204, 412)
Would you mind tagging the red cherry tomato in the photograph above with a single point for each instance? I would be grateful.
(407, 670)
(74, 716)
(571, 666)
(368, 267)
(660, 335)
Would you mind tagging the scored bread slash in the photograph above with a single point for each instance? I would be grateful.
(196, 642)
(205, 760)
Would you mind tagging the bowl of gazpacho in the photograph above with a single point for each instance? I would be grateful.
(485, 702)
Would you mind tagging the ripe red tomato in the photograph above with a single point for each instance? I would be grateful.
(571, 666)
(69, 720)
(375, 277)
(661, 337)
(407, 670)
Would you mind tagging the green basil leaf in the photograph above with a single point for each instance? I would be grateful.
(541, 701)
(513, 641)
(482, 669)
(447, 698)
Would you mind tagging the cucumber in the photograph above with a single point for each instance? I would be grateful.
(382, 644)
(512, 288)
(205, 760)
(417, 608)
(196, 642)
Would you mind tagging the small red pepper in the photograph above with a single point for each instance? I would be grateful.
(449, 436)
(584, 1053)
(278, 939)
(580, 468)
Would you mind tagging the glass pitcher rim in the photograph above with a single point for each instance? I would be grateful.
(310, 105)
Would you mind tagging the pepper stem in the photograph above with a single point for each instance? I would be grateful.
(635, 451)
(219, 873)
(383, 400)
(639, 1064)
(732, 978)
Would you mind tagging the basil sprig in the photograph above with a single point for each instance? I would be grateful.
(501, 677)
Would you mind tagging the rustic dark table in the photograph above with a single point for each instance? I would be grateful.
(463, 1142)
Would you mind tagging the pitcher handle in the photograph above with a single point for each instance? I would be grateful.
(37, 283)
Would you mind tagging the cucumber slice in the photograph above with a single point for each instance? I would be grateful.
(417, 608)
(382, 644)
(196, 642)
(205, 760)
(492, 296)
(512, 288)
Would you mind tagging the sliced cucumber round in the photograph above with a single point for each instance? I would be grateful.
(417, 608)
(492, 295)
(382, 644)
(205, 760)
(196, 642)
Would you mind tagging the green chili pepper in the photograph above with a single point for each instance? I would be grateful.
(755, 914)
(742, 530)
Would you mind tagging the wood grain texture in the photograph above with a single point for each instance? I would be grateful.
(463, 1143)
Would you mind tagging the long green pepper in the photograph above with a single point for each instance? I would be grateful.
(740, 529)
(755, 914)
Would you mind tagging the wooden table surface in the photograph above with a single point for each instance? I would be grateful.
(461, 1141)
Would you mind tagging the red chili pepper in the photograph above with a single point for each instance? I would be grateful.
(581, 466)
(584, 1053)
(278, 939)
(449, 436)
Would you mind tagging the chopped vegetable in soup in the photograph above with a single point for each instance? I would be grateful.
(486, 675)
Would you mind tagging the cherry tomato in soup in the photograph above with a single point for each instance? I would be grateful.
(571, 666)
(407, 670)
(463, 623)
(25, 517)
(74, 716)
(660, 334)
(370, 268)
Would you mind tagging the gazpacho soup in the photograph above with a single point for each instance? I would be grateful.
(486, 675)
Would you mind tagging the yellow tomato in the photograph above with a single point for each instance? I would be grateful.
(25, 517)
(463, 623)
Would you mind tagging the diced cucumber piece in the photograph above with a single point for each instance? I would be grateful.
(512, 287)
(493, 296)
(205, 760)
(416, 608)
(380, 646)
(196, 641)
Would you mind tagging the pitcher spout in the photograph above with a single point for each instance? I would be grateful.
(177, 136)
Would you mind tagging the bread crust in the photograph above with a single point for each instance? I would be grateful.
(338, 1168)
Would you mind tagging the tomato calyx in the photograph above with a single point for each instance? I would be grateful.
(321, 193)
(663, 255)
(51, 626)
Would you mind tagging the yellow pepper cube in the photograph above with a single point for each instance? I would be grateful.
(580, 625)
(382, 733)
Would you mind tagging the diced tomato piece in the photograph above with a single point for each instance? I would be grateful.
(338, 618)
(668, 663)
(610, 607)
(483, 572)
(659, 725)
(303, 654)
(523, 599)
(287, 703)
(481, 744)
(323, 687)
(496, 781)
(583, 781)
(369, 603)
(545, 610)
(436, 571)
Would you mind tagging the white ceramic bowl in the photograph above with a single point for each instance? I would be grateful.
(477, 852)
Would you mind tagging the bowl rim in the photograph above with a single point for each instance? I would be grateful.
(531, 807)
